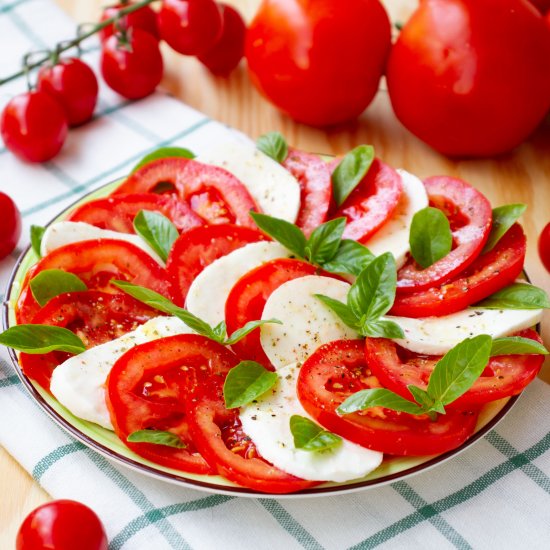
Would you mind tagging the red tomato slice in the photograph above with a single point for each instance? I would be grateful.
(199, 247)
(117, 213)
(470, 216)
(486, 275)
(96, 317)
(147, 389)
(314, 176)
(504, 376)
(339, 369)
(218, 434)
(372, 202)
(96, 262)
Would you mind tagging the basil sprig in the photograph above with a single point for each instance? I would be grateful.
(309, 436)
(39, 339)
(160, 302)
(246, 382)
(325, 247)
(369, 298)
(503, 218)
(52, 282)
(430, 236)
(516, 296)
(157, 437)
(351, 170)
(37, 232)
(164, 152)
(274, 145)
(157, 231)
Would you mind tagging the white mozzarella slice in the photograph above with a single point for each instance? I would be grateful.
(267, 423)
(437, 335)
(307, 322)
(79, 383)
(62, 233)
(208, 292)
(393, 236)
(275, 190)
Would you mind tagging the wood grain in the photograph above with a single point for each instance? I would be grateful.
(521, 176)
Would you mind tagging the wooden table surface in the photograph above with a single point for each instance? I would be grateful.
(522, 176)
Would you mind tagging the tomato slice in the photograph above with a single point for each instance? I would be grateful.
(199, 247)
(96, 262)
(470, 216)
(504, 376)
(96, 317)
(372, 202)
(339, 369)
(148, 387)
(218, 434)
(117, 213)
(314, 176)
(486, 275)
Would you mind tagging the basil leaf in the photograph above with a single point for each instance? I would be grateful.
(157, 231)
(503, 218)
(342, 310)
(351, 170)
(52, 282)
(309, 436)
(422, 397)
(285, 232)
(157, 437)
(516, 296)
(164, 152)
(39, 339)
(220, 330)
(324, 241)
(383, 328)
(430, 237)
(246, 382)
(516, 345)
(37, 232)
(274, 145)
(378, 397)
(351, 257)
(455, 373)
(247, 329)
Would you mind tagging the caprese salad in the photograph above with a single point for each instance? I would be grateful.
(279, 318)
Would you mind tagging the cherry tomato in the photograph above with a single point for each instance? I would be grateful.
(191, 27)
(452, 88)
(132, 66)
(62, 525)
(226, 53)
(74, 85)
(316, 61)
(544, 247)
(10, 225)
(145, 19)
(34, 126)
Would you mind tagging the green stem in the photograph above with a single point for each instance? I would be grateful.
(76, 41)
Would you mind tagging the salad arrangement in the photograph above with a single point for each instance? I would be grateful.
(277, 318)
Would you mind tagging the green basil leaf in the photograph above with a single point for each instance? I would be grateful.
(220, 330)
(342, 310)
(516, 345)
(373, 293)
(157, 437)
(324, 241)
(378, 397)
(285, 232)
(247, 329)
(455, 373)
(516, 296)
(52, 282)
(351, 170)
(162, 153)
(246, 382)
(351, 257)
(39, 339)
(309, 436)
(157, 231)
(274, 145)
(382, 328)
(430, 237)
(503, 218)
(422, 397)
(37, 232)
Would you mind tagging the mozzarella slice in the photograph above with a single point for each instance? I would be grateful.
(208, 292)
(267, 423)
(62, 233)
(437, 335)
(393, 236)
(79, 383)
(307, 322)
(275, 190)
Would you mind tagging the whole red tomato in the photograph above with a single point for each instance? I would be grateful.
(316, 60)
(471, 78)
(74, 85)
(145, 19)
(544, 247)
(34, 126)
(10, 225)
(61, 525)
(131, 64)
